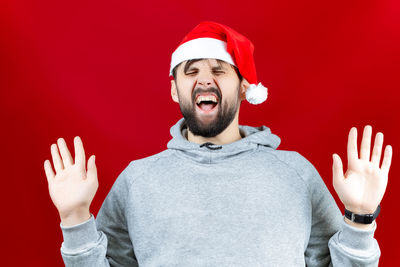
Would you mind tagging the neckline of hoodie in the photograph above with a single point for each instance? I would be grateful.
(238, 156)
(184, 133)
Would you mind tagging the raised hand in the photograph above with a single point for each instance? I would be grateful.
(72, 188)
(362, 187)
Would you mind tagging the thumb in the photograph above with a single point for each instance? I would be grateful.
(337, 170)
(91, 168)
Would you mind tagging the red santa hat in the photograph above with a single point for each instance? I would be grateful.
(213, 40)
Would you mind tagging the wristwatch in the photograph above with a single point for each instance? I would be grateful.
(362, 218)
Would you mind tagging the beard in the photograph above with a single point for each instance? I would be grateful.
(225, 115)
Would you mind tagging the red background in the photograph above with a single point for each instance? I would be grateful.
(99, 69)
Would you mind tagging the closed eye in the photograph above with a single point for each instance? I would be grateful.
(191, 72)
(218, 71)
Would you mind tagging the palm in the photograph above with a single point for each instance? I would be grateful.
(362, 187)
(72, 187)
(67, 183)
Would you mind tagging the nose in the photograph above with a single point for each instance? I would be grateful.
(205, 80)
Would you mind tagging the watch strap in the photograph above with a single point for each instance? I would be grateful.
(362, 218)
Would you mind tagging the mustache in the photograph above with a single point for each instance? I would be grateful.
(199, 90)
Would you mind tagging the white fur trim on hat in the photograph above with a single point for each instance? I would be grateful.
(256, 94)
(200, 48)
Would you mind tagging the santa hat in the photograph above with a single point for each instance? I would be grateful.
(213, 40)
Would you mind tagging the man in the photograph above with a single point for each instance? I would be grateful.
(221, 194)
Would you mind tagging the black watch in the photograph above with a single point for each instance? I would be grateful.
(362, 218)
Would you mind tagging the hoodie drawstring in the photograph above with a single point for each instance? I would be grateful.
(208, 145)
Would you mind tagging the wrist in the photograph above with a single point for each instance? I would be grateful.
(75, 217)
(361, 220)
(360, 210)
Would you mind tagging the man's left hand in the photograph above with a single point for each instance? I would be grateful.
(362, 187)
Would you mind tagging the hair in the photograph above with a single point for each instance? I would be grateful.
(191, 61)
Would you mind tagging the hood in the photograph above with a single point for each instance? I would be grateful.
(210, 153)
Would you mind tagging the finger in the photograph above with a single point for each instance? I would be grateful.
(92, 169)
(377, 151)
(57, 162)
(337, 170)
(387, 159)
(48, 170)
(66, 156)
(352, 154)
(365, 148)
(79, 153)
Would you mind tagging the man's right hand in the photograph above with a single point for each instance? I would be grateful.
(72, 188)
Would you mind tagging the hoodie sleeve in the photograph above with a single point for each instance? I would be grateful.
(104, 241)
(332, 241)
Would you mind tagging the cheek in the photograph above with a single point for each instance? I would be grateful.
(188, 83)
(230, 88)
(185, 88)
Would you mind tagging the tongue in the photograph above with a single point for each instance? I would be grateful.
(206, 107)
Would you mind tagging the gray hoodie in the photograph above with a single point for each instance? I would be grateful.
(239, 204)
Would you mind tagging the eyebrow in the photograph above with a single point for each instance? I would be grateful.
(220, 67)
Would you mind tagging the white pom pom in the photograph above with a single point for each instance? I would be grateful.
(256, 94)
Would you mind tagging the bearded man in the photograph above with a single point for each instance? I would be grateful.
(221, 194)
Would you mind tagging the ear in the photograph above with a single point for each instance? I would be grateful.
(244, 84)
(174, 92)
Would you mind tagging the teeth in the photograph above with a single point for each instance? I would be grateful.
(206, 98)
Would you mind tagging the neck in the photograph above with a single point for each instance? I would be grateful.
(229, 135)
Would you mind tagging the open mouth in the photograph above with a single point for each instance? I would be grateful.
(207, 103)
